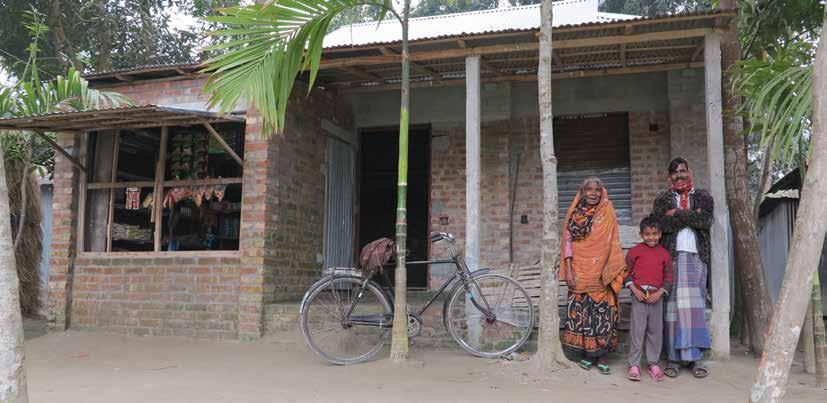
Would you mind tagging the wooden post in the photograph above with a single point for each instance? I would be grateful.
(472, 162)
(223, 144)
(115, 151)
(719, 267)
(82, 180)
(158, 200)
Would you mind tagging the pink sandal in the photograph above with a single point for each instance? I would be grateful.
(634, 373)
(656, 373)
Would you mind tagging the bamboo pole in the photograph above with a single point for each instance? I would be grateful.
(157, 204)
(114, 177)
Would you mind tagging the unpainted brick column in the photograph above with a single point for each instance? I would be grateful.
(64, 216)
(649, 147)
(253, 231)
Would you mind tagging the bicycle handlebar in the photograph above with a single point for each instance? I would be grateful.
(440, 236)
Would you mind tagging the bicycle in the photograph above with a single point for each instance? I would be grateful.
(346, 317)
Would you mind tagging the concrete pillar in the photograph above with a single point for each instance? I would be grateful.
(472, 162)
(719, 267)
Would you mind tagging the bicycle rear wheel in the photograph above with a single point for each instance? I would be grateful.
(335, 338)
(508, 326)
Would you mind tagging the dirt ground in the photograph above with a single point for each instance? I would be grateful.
(94, 367)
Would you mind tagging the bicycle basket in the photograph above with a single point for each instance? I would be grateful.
(375, 255)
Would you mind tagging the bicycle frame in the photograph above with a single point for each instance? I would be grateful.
(462, 273)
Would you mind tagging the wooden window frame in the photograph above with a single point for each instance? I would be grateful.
(159, 183)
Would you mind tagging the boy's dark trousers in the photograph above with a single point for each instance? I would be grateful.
(647, 319)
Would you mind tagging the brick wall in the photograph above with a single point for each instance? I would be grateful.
(211, 294)
(649, 146)
(687, 112)
(514, 142)
(183, 295)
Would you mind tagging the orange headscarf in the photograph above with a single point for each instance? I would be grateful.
(597, 261)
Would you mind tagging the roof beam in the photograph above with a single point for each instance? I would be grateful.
(697, 52)
(623, 55)
(60, 149)
(417, 66)
(223, 143)
(516, 47)
(361, 73)
(124, 77)
(533, 77)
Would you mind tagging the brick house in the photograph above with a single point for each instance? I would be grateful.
(629, 94)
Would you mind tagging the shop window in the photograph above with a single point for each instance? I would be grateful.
(199, 207)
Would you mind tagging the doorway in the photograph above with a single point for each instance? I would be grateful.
(378, 173)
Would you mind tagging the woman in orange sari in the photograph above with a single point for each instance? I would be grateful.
(593, 267)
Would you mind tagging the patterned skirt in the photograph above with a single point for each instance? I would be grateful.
(590, 328)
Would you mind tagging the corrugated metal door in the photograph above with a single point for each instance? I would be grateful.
(338, 245)
(594, 145)
(46, 227)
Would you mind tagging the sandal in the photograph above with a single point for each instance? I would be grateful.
(585, 364)
(603, 368)
(699, 370)
(656, 373)
(634, 373)
(671, 369)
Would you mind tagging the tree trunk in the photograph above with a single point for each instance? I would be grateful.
(399, 339)
(104, 36)
(65, 50)
(12, 372)
(549, 350)
(765, 182)
(757, 302)
(807, 342)
(819, 337)
(808, 241)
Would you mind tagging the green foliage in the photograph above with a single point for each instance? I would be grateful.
(778, 98)
(438, 7)
(771, 26)
(266, 46)
(652, 8)
(103, 34)
(33, 96)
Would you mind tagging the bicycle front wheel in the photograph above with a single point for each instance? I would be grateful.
(332, 334)
(493, 319)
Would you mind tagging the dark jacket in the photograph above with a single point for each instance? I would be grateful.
(700, 222)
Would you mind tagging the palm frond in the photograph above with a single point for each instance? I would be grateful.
(778, 101)
(268, 45)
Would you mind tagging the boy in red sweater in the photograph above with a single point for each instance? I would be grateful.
(650, 279)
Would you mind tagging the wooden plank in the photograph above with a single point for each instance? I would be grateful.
(116, 151)
(60, 149)
(158, 208)
(83, 150)
(417, 66)
(223, 143)
(172, 183)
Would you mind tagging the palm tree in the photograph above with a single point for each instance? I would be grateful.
(268, 45)
(30, 96)
(787, 103)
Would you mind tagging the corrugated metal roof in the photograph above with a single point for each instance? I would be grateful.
(521, 18)
(114, 118)
(145, 69)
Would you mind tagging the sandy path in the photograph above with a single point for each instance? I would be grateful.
(92, 367)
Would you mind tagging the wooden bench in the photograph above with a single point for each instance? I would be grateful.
(529, 278)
